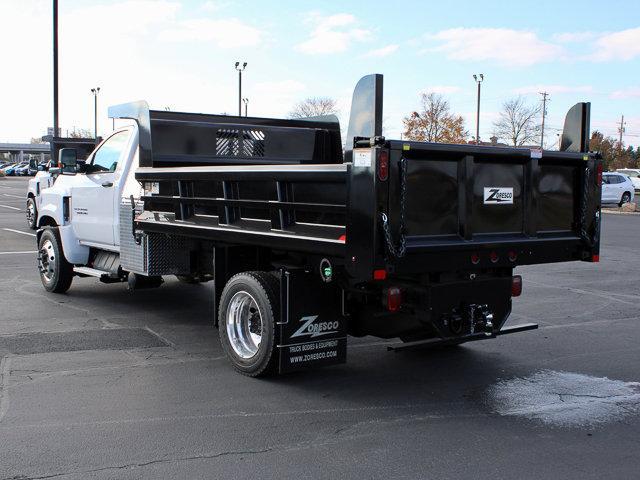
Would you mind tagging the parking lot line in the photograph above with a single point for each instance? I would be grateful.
(18, 253)
(12, 208)
(19, 231)
(12, 195)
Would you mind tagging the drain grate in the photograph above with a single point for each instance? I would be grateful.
(108, 339)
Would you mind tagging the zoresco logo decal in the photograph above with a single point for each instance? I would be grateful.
(311, 329)
(498, 195)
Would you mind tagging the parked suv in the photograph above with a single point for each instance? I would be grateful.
(633, 174)
(617, 188)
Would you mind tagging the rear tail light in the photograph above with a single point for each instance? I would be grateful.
(475, 258)
(513, 256)
(494, 257)
(394, 299)
(380, 274)
(595, 258)
(516, 285)
(599, 174)
(383, 165)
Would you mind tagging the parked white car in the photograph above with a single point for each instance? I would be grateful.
(633, 174)
(617, 188)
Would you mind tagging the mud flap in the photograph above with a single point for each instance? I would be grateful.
(313, 331)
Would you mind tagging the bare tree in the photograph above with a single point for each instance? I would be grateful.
(435, 122)
(518, 122)
(314, 107)
(81, 133)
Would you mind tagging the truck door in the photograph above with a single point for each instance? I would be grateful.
(92, 196)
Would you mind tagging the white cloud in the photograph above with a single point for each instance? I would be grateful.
(225, 33)
(332, 34)
(574, 37)
(622, 45)
(382, 52)
(441, 89)
(553, 89)
(631, 92)
(501, 45)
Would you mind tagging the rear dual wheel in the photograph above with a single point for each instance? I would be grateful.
(249, 307)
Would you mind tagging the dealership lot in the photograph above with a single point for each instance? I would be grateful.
(100, 383)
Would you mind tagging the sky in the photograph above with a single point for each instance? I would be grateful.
(180, 54)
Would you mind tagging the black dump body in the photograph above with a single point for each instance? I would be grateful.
(446, 223)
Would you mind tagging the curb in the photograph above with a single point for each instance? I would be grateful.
(616, 212)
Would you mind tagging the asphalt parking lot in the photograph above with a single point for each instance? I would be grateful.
(100, 383)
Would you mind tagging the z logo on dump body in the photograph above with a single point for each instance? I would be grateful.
(311, 329)
(498, 195)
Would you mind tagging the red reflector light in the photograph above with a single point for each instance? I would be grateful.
(383, 165)
(595, 258)
(513, 256)
(379, 274)
(516, 286)
(342, 238)
(599, 174)
(475, 258)
(494, 257)
(394, 299)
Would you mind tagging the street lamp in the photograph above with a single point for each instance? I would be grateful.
(478, 79)
(246, 104)
(95, 92)
(240, 70)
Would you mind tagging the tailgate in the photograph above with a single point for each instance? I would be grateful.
(446, 205)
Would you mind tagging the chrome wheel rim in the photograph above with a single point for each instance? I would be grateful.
(244, 325)
(47, 260)
(31, 212)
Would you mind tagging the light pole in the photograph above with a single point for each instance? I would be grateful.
(246, 105)
(56, 126)
(478, 78)
(240, 70)
(95, 92)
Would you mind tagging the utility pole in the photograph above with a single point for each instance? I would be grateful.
(621, 131)
(246, 104)
(544, 114)
(55, 69)
(240, 70)
(478, 79)
(95, 92)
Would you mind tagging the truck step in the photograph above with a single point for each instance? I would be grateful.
(106, 277)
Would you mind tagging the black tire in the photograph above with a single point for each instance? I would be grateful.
(32, 213)
(262, 290)
(56, 273)
(626, 198)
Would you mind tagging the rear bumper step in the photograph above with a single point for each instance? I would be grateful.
(440, 342)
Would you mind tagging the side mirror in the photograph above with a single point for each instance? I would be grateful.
(41, 168)
(68, 159)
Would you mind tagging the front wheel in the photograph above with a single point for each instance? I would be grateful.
(626, 198)
(249, 307)
(32, 213)
(56, 273)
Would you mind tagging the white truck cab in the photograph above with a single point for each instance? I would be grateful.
(83, 202)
